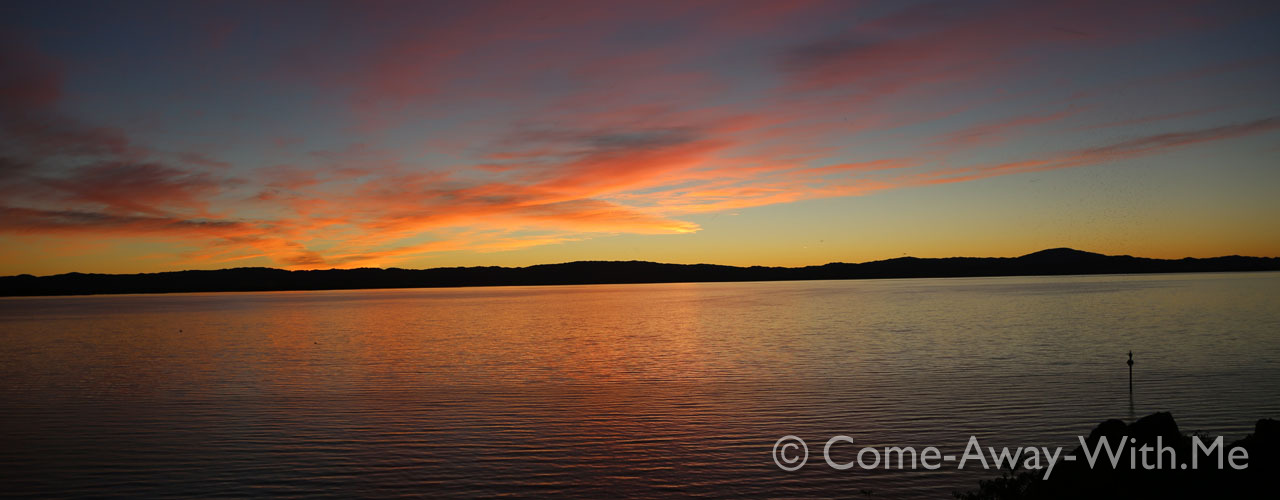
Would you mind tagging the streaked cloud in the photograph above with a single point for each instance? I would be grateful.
(355, 134)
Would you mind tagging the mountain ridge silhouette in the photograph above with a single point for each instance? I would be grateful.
(1054, 261)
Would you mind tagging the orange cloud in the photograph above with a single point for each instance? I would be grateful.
(513, 125)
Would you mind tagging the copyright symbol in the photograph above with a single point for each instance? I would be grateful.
(786, 454)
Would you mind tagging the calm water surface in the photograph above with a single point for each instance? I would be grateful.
(608, 391)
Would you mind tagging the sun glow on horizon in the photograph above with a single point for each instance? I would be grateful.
(204, 136)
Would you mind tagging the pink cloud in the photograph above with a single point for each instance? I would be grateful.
(571, 129)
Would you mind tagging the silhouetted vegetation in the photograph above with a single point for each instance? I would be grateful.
(1074, 480)
(1048, 262)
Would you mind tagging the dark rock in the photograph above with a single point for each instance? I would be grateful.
(1071, 480)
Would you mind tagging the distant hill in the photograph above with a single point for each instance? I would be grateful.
(1055, 261)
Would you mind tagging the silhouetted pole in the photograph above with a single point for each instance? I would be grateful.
(1130, 374)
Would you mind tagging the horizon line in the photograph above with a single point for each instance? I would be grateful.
(1055, 249)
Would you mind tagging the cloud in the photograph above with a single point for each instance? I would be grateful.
(986, 133)
(950, 42)
(146, 188)
(1120, 150)
(63, 176)
(22, 220)
(30, 88)
(29, 81)
(445, 127)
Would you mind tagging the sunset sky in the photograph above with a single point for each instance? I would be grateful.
(151, 136)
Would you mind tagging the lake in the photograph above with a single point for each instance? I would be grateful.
(609, 390)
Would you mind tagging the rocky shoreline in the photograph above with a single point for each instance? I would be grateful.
(1150, 458)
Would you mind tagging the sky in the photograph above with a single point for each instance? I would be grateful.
(155, 136)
